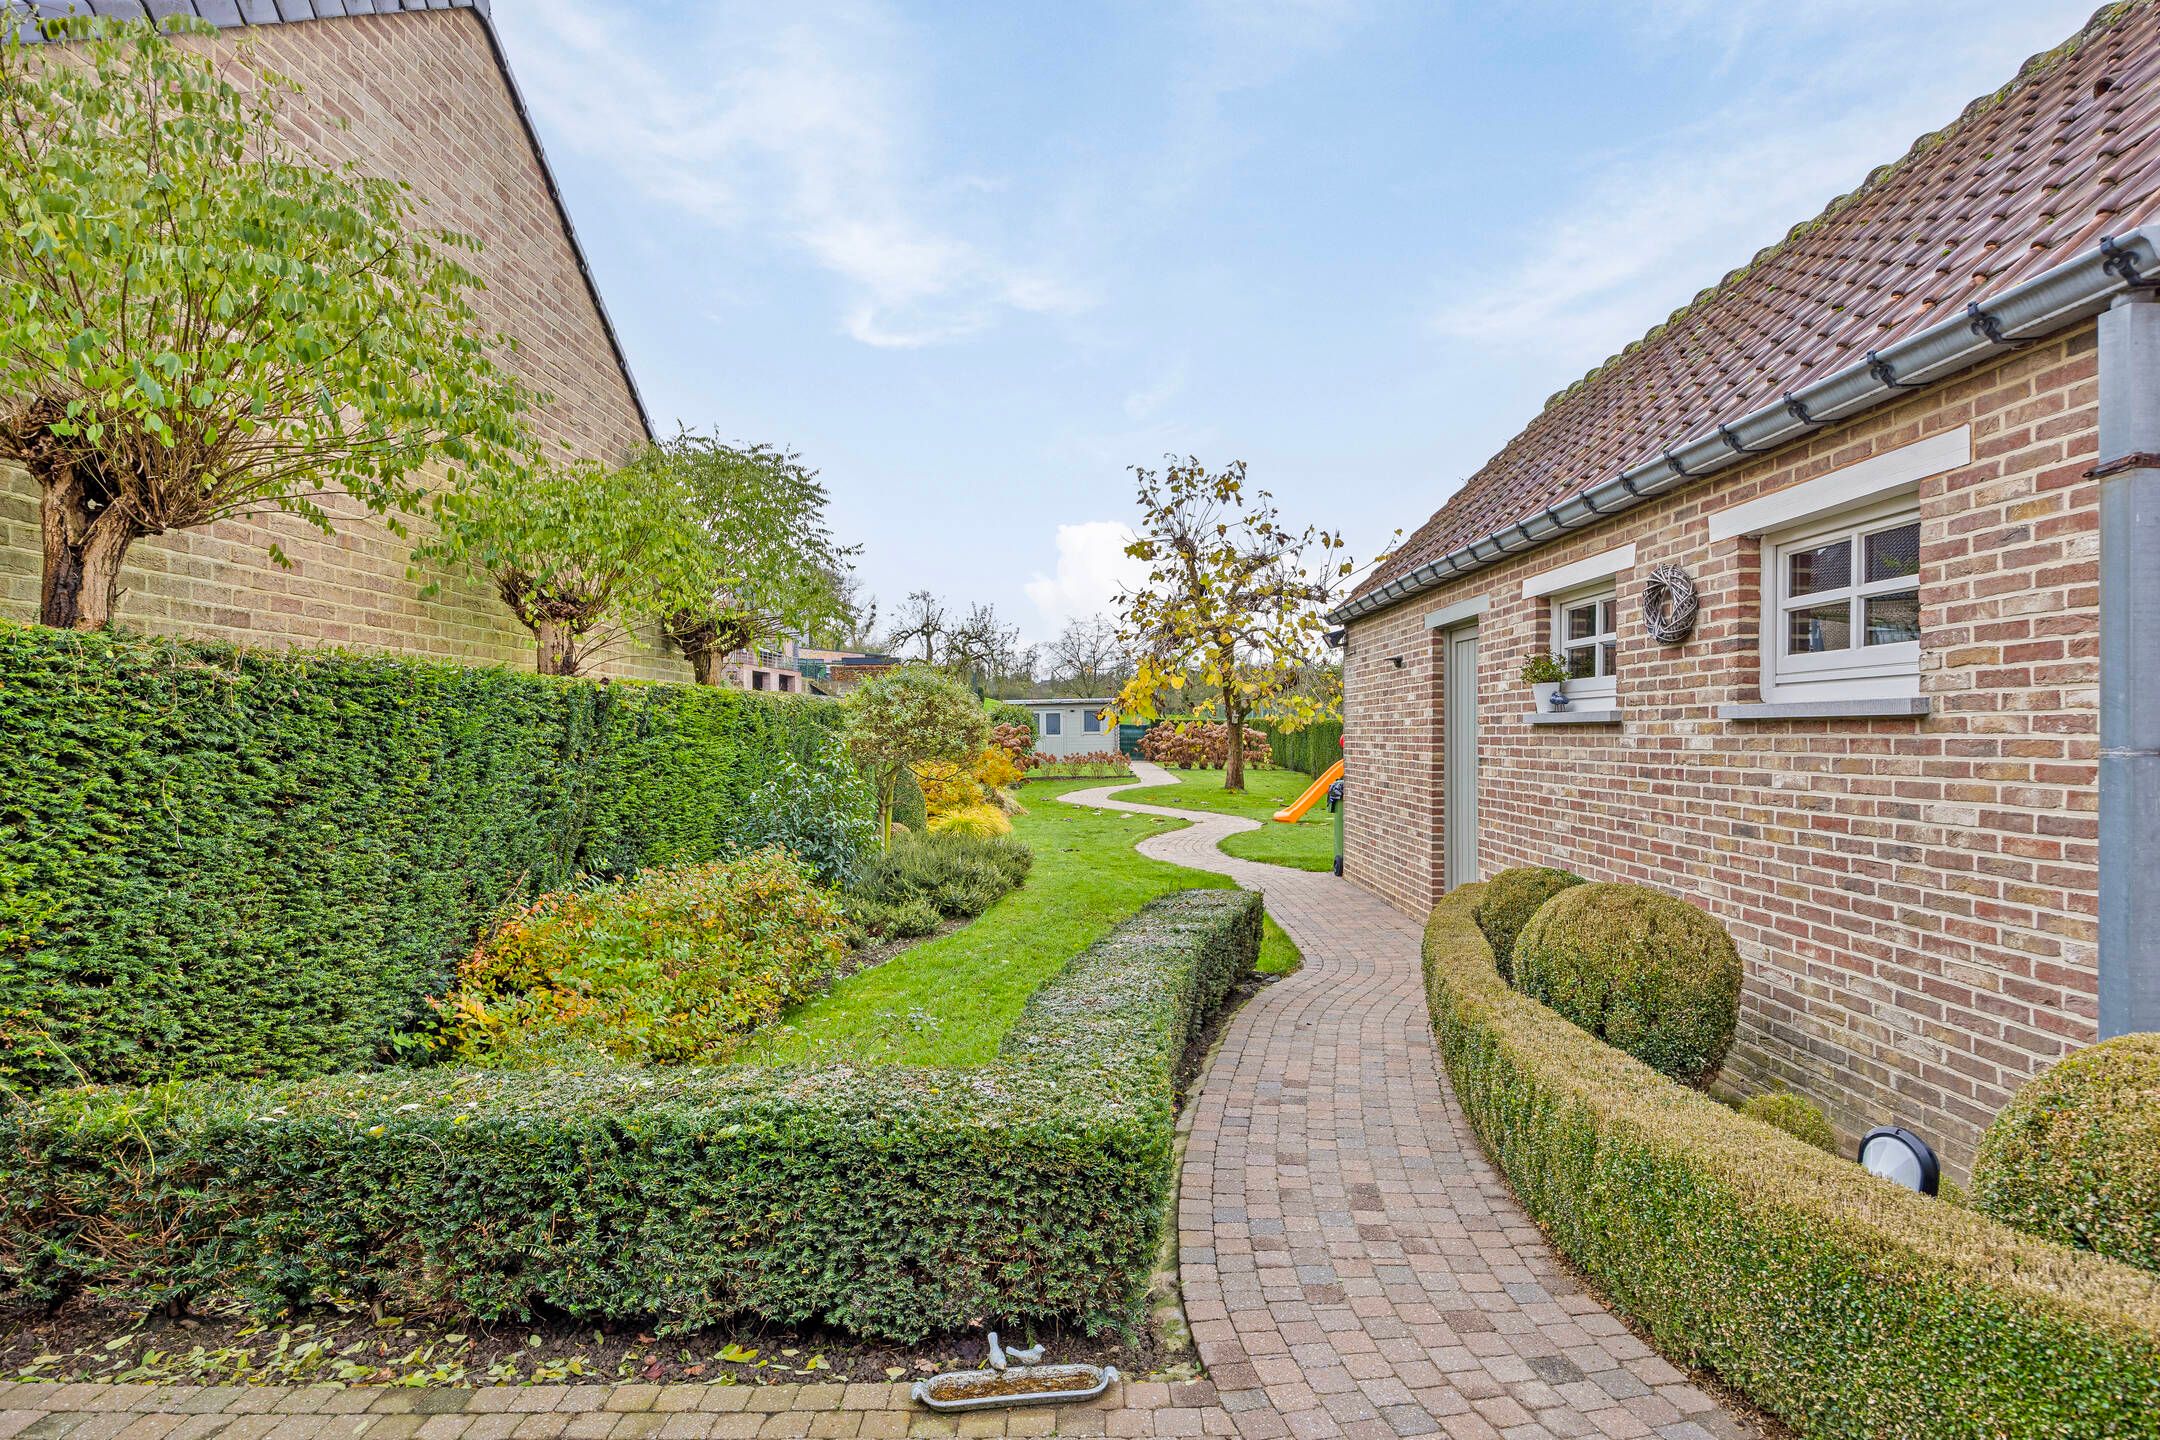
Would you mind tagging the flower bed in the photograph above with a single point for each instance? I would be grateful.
(925, 880)
(891, 1202)
(1094, 765)
(1843, 1304)
(676, 966)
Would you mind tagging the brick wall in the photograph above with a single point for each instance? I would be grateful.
(1914, 899)
(419, 96)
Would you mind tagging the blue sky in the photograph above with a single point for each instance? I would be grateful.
(974, 260)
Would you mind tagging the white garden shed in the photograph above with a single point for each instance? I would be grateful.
(1071, 726)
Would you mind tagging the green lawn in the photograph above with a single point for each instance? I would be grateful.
(950, 1000)
(1307, 845)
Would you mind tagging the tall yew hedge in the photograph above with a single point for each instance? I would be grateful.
(218, 862)
(1309, 749)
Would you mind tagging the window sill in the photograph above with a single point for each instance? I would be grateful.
(1895, 707)
(1575, 715)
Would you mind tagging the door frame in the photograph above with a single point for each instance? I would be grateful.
(1458, 757)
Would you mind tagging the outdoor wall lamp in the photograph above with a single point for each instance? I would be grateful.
(1396, 660)
(1901, 1157)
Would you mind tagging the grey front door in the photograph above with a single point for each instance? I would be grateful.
(1459, 777)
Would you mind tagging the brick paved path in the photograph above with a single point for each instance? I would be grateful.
(1351, 1265)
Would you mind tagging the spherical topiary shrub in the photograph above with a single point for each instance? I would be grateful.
(1796, 1115)
(1644, 971)
(1510, 899)
(2075, 1157)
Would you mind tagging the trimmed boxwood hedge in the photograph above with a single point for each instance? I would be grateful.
(891, 1202)
(1796, 1115)
(2075, 1156)
(1511, 898)
(1841, 1303)
(215, 861)
(1644, 971)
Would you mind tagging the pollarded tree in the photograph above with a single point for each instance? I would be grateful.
(920, 621)
(911, 716)
(983, 651)
(763, 513)
(1234, 599)
(1089, 654)
(579, 551)
(196, 322)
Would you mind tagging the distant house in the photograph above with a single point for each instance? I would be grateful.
(421, 91)
(1071, 726)
(782, 670)
(835, 672)
(1909, 462)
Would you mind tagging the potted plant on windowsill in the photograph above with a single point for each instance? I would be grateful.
(1543, 673)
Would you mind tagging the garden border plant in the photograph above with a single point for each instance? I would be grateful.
(220, 861)
(891, 1202)
(1845, 1305)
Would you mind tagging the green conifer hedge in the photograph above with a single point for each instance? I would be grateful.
(891, 1202)
(222, 862)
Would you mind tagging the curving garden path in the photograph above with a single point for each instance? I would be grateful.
(1351, 1263)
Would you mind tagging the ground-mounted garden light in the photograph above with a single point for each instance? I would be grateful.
(1901, 1157)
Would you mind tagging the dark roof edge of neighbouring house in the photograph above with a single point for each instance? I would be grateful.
(2041, 306)
(239, 14)
(1902, 282)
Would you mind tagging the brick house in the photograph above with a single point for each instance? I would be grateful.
(1907, 458)
(420, 90)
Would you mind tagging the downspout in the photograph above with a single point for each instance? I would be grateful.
(2129, 475)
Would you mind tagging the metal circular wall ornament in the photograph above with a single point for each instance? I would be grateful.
(1669, 604)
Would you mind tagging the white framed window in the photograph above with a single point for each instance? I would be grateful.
(1091, 722)
(1053, 722)
(1586, 637)
(1841, 606)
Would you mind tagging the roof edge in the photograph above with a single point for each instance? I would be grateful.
(562, 210)
(244, 14)
(2035, 68)
(2030, 310)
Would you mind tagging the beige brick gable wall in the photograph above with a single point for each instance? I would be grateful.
(1915, 899)
(420, 97)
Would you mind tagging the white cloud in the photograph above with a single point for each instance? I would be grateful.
(795, 125)
(1650, 225)
(1092, 567)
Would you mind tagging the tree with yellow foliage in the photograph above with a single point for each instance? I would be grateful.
(1234, 600)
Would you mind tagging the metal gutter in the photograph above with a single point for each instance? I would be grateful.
(2027, 311)
(239, 14)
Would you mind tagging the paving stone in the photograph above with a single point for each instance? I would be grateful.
(1352, 1265)
(1377, 1270)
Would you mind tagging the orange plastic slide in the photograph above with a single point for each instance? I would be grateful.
(1311, 797)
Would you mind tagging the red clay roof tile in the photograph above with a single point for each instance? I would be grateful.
(2026, 178)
